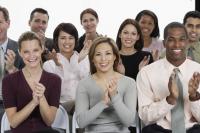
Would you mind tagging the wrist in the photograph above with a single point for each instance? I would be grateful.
(171, 100)
(194, 97)
(12, 69)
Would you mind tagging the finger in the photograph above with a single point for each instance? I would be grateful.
(53, 50)
(145, 58)
(9, 60)
(10, 55)
(11, 52)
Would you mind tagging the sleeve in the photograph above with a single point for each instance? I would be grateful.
(84, 68)
(51, 67)
(126, 107)
(150, 111)
(195, 107)
(84, 114)
(8, 92)
(55, 90)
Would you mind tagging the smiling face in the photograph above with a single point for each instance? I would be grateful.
(89, 23)
(39, 22)
(30, 52)
(129, 36)
(147, 25)
(175, 43)
(192, 26)
(66, 43)
(104, 58)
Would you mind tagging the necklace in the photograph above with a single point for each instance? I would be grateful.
(127, 52)
(28, 73)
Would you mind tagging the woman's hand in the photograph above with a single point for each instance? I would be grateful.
(39, 90)
(112, 87)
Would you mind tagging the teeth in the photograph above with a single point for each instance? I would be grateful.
(66, 46)
(177, 51)
(193, 35)
(145, 30)
(128, 41)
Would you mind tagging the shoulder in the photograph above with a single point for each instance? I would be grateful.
(13, 45)
(12, 76)
(193, 65)
(126, 79)
(85, 81)
(48, 62)
(155, 66)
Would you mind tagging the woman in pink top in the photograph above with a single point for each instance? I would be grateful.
(68, 64)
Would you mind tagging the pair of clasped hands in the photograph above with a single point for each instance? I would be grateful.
(193, 86)
(38, 92)
(110, 90)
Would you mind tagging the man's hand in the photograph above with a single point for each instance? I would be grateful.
(193, 86)
(173, 90)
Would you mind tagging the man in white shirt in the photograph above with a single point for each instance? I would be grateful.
(157, 89)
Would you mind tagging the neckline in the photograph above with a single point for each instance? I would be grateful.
(26, 82)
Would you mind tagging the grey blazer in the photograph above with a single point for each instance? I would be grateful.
(12, 45)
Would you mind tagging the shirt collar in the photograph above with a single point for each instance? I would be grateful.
(182, 68)
(4, 45)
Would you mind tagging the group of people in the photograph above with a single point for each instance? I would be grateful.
(104, 82)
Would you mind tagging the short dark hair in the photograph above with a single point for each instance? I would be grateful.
(5, 13)
(29, 35)
(40, 10)
(156, 31)
(68, 28)
(192, 14)
(95, 43)
(90, 11)
(171, 26)
(139, 43)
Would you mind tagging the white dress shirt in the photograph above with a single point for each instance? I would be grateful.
(152, 85)
(3, 47)
(71, 73)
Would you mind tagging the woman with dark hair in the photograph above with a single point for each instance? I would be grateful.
(68, 64)
(31, 95)
(148, 22)
(106, 100)
(89, 20)
(130, 43)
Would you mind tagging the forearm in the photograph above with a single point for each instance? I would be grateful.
(126, 115)
(47, 112)
(85, 117)
(12, 70)
(154, 111)
(15, 119)
(195, 105)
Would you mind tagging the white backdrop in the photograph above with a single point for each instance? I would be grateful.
(111, 13)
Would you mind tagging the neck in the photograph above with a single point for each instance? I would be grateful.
(105, 75)
(178, 62)
(67, 55)
(147, 41)
(32, 72)
(2, 40)
(127, 51)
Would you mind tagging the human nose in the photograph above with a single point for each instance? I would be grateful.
(103, 57)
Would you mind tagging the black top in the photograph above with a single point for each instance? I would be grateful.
(80, 43)
(131, 62)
